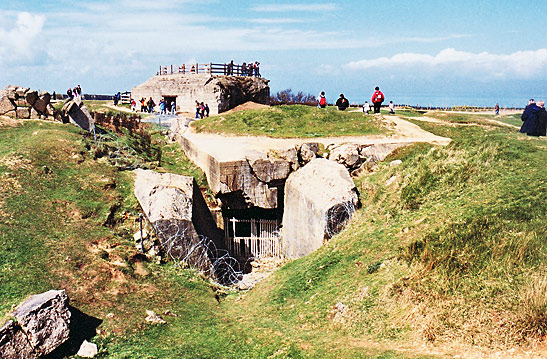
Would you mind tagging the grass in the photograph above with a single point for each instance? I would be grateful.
(452, 253)
(293, 121)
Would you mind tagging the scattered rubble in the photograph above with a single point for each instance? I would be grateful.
(152, 317)
(22, 103)
(87, 350)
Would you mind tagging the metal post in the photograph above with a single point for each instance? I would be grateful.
(140, 226)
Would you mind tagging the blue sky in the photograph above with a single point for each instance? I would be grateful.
(461, 49)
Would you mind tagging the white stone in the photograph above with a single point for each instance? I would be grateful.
(87, 350)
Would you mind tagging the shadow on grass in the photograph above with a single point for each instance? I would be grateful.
(82, 327)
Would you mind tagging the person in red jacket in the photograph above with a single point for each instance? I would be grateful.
(377, 99)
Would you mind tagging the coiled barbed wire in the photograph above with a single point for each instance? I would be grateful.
(337, 217)
(198, 252)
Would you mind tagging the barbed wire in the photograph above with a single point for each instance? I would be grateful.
(337, 217)
(198, 252)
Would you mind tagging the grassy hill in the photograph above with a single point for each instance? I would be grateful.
(449, 259)
(293, 121)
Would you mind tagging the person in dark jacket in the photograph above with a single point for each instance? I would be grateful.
(535, 122)
(529, 118)
(342, 103)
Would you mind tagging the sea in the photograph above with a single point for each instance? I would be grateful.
(442, 101)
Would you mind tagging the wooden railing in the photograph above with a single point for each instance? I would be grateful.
(262, 242)
(210, 68)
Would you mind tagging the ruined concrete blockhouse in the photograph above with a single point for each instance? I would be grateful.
(220, 92)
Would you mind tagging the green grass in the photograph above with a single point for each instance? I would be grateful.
(292, 121)
(454, 251)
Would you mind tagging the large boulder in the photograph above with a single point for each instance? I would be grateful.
(319, 200)
(31, 97)
(78, 114)
(174, 206)
(41, 325)
(6, 105)
(23, 112)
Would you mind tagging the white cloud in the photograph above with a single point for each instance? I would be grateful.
(294, 7)
(20, 39)
(520, 64)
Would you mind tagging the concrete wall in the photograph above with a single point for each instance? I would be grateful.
(221, 93)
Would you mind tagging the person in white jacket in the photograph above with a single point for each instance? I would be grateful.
(366, 107)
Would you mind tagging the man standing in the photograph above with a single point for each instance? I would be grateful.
(377, 99)
(342, 103)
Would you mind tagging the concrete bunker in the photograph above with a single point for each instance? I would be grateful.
(209, 83)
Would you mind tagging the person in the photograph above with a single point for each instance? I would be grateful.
(133, 105)
(197, 109)
(162, 107)
(366, 107)
(391, 108)
(231, 68)
(321, 100)
(69, 94)
(535, 119)
(206, 110)
(115, 98)
(79, 90)
(342, 103)
(244, 69)
(201, 110)
(151, 104)
(173, 107)
(377, 99)
(256, 68)
(497, 109)
(143, 104)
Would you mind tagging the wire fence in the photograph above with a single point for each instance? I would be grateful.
(230, 69)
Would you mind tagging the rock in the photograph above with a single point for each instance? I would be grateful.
(35, 115)
(152, 317)
(319, 200)
(390, 181)
(22, 112)
(78, 114)
(14, 343)
(42, 325)
(87, 350)
(11, 114)
(41, 105)
(368, 166)
(347, 155)
(11, 92)
(268, 169)
(290, 155)
(379, 152)
(6, 105)
(308, 151)
(395, 163)
(31, 97)
(176, 209)
(21, 91)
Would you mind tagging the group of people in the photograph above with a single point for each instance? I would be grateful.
(250, 69)
(74, 93)
(343, 103)
(165, 107)
(534, 119)
(147, 106)
(202, 110)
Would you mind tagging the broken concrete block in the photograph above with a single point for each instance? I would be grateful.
(78, 114)
(31, 97)
(22, 112)
(319, 200)
(308, 151)
(6, 105)
(14, 343)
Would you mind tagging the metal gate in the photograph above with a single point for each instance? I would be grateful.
(252, 237)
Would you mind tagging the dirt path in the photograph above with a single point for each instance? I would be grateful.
(228, 147)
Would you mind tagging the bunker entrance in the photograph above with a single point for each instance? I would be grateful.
(169, 101)
(252, 233)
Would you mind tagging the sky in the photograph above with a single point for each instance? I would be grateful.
(458, 52)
